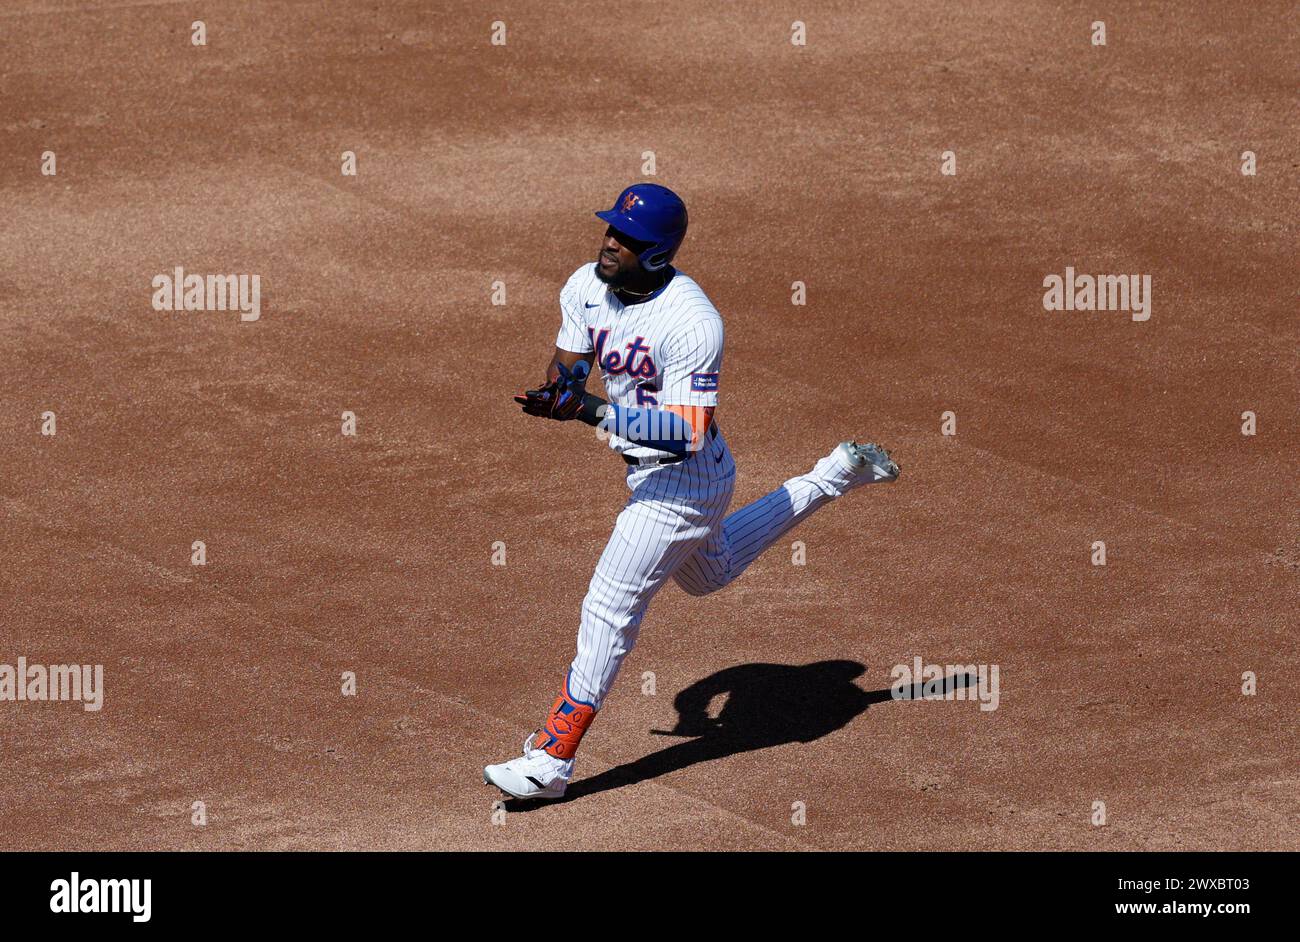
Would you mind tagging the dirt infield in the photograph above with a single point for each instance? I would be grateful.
(821, 163)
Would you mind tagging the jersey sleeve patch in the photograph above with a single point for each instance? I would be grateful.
(704, 382)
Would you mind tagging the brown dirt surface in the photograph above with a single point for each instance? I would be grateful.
(478, 163)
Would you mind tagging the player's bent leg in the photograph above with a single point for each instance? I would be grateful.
(708, 568)
(747, 532)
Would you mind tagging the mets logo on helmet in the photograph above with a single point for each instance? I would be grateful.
(629, 201)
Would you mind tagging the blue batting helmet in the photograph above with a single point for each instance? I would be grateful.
(650, 213)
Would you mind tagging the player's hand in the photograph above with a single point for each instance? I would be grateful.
(562, 397)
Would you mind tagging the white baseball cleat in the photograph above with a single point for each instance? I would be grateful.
(869, 455)
(535, 774)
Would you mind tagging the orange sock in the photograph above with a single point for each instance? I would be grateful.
(564, 727)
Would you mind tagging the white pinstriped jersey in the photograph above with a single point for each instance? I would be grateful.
(666, 351)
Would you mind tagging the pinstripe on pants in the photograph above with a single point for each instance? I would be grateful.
(676, 524)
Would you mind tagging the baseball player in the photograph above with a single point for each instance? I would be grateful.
(657, 341)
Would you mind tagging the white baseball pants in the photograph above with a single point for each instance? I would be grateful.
(675, 524)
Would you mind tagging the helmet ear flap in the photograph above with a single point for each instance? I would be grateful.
(658, 256)
(653, 261)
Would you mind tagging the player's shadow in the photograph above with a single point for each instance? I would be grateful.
(766, 705)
